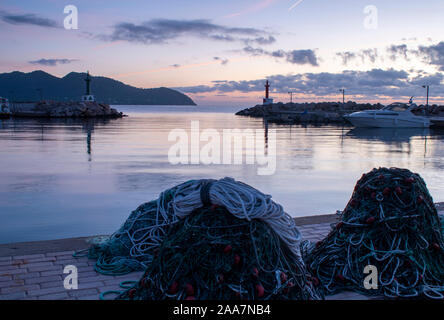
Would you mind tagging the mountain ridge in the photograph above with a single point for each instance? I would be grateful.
(34, 85)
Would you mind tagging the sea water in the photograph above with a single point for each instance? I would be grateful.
(71, 178)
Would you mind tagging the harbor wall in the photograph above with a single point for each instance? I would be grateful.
(55, 109)
(321, 112)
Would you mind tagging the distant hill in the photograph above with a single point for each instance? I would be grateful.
(19, 86)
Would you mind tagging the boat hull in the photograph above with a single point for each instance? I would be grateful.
(437, 122)
(367, 122)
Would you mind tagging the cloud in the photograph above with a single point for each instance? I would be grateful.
(372, 83)
(432, 80)
(301, 57)
(346, 57)
(396, 51)
(260, 40)
(51, 62)
(159, 31)
(370, 54)
(430, 54)
(365, 55)
(27, 19)
(433, 54)
(222, 61)
(255, 51)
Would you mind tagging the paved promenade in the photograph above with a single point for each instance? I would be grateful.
(34, 270)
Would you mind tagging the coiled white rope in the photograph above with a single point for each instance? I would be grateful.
(242, 201)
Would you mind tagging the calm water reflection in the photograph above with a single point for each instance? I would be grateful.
(66, 178)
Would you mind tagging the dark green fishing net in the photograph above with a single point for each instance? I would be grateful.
(391, 223)
(212, 255)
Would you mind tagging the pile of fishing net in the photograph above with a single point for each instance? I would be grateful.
(212, 255)
(209, 239)
(391, 223)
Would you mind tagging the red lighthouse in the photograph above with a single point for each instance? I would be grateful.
(267, 99)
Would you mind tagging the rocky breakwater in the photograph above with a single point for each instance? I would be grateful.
(54, 109)
(315, 113)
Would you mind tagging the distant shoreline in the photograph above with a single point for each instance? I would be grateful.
(20, 86)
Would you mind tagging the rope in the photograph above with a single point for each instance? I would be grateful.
(107, 293)
(132, 247)
(242, 201)
(390, 222)
(213, 255)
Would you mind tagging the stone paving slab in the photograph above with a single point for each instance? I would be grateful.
(40, 276)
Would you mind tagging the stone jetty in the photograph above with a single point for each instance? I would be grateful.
(54, 109)
(316, 113)
(319, 112)
(87, 107)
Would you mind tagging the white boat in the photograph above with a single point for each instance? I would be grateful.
(395, 115)
(5, 111)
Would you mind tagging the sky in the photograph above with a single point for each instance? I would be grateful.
(220, 52)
